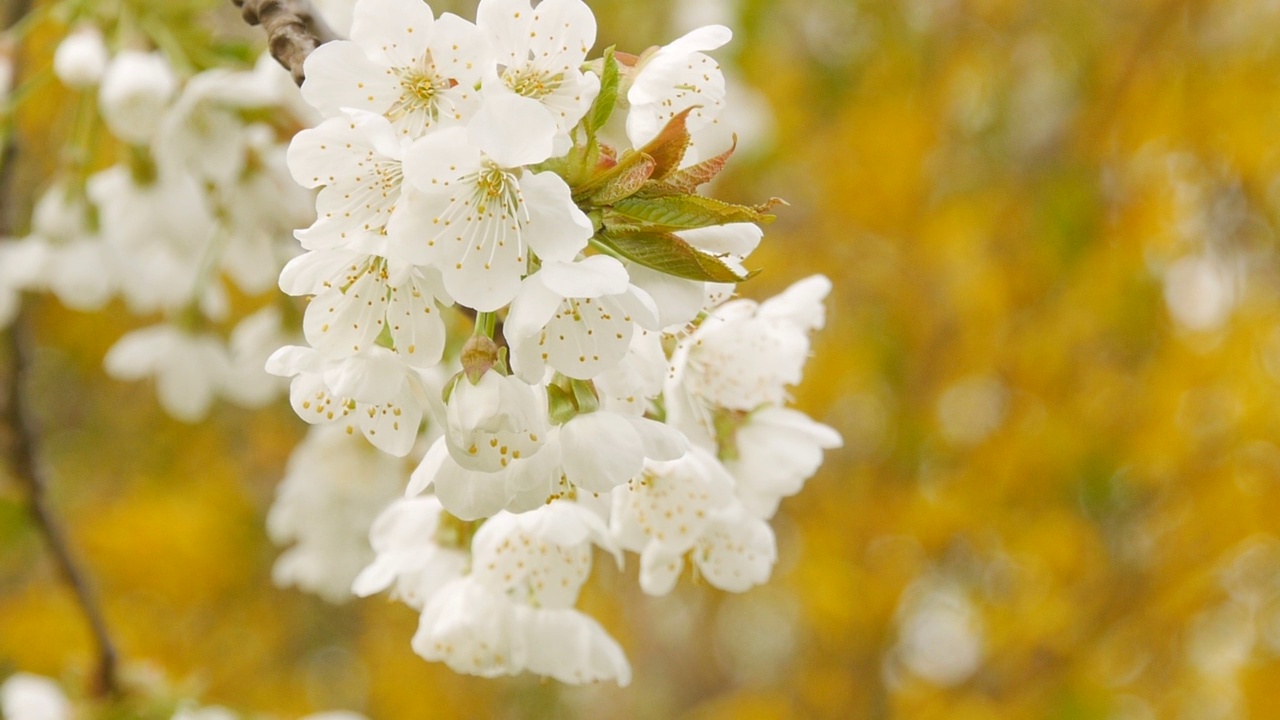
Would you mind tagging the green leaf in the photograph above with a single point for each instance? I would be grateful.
(668, 253)
(668, 147)
(607, 99)
(685, 212)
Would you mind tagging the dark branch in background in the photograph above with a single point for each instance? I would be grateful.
(22, 453)
(17, 427)
(293, 28)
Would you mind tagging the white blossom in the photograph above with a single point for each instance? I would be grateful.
(775, 450)
(24, 696)
(471, 494)
(81, 57)
(402, 63)
(576, 317)
(408, 556)
(536, 93)
(675, 78)
(688, 507)
(334, 486)
(157, 231)
(356, 158)
(478, 222)
(514, 612)
(744, 355)
(252, 341)
(188, 367)
(494, 421)
(203, 132)
(372, 390)
(135, 90)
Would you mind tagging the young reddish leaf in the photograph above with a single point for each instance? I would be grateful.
(668, 147)
(624, 184)
(688, 180)
(668, 253)
(628, 167)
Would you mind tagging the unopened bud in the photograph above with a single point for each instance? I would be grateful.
(479, 354)
(135, 90)
(81, 58)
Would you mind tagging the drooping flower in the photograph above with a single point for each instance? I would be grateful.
(408, 556)
(688, 507)
(402, 63)
(479, 222)
(536, 93)
(744, 355)
(494, 421)
(135, 89)
(372, 390)
(514, 612)
(775, 450)
(363, 298)
(576, 317)
(333, 488)
(189, 368)
(81, 57)
(470, 493)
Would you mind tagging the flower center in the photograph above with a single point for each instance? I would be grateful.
(419, 85)
(531, 83)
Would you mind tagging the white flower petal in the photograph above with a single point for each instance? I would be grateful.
(600, 451)
(513, 130)
(587, 278)
(397, 31)
(340, 75)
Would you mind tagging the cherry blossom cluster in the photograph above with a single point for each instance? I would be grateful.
(515, 285)
(199, 206)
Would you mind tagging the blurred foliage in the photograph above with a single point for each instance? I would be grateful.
(1053, 351)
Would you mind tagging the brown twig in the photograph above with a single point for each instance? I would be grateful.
(18, 427)
(293, 28)
(23, 453)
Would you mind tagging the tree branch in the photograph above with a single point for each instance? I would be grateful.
(293, 28)
(23, 453)
(19, 430)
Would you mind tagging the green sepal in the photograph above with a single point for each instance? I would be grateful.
(686, 212)
(560, 406)
(669, 254)
(584, 396)
(607, 98)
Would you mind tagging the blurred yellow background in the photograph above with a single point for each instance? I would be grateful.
(1053, 351)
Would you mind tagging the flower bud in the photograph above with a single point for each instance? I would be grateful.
(135, 90)
(81, 58)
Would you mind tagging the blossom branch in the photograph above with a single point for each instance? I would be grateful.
(293, 29)
(23, 453)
